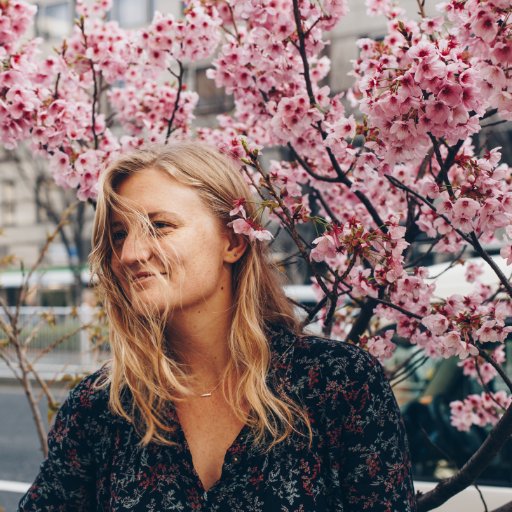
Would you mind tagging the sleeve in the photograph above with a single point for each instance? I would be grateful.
(375, 468)
(66, 480)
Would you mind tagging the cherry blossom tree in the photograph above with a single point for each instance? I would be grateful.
(398, 168)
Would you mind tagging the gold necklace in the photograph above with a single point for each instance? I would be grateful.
(209, 394)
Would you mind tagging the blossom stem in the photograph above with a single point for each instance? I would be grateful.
(484, 385)
(179, 77)
(308, 169)
(327, 208)
(302, 51)
(496, 366)
(397, 379)
(485, 256)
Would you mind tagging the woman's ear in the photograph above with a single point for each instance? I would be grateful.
(236, 245)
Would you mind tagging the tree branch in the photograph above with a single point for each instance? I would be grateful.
(302, 52)
(179, 77)
(472, 469)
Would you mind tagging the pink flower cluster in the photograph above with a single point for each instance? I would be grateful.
(483, 26)
(18, 97)
(192, 38)
(15, 19)
(106, 46)
(481, 410)
(421, 82)
(479, 200)
(481, 370)
(366, 258)
(380, 347)
(247, 226)
(411, 90)
(147, 106)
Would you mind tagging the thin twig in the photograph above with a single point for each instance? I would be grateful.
(325, 205)
(302, 52)
(405, 363)
(308, 168)
(58, 342)
(81, 25)
(179, 77)
(496, 366)
(417, 364)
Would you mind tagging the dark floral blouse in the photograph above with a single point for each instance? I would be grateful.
(359, 459)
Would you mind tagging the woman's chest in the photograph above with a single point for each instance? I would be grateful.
(291, 477)
(209, 429)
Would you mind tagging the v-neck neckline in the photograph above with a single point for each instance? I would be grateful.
(237, 446)
(281, 345)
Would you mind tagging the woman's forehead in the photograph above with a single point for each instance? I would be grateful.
(153, 190)
(120, 217)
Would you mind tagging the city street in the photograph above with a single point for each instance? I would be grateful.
(19, 446)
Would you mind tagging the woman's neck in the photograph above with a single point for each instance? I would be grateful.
(200, 342)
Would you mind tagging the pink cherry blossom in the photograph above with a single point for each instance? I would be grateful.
(250, 229)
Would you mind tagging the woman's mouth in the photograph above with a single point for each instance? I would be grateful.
(140, 277)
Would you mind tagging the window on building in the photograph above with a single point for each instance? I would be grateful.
(54, 20)
(132, 13)
(8, 203)
(212, 99)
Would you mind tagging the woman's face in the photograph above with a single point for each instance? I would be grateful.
(184, 263)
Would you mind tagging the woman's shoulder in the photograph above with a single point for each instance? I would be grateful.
(334, 358)
(90, 395)
(327, 371)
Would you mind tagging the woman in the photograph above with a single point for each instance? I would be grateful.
(213, 400)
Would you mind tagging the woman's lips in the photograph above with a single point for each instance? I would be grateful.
(142, 276)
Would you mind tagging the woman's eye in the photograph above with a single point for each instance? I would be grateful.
(160, 226)
(118, 236)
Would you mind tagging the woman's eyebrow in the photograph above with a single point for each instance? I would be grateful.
(159, 213)
(116, 224)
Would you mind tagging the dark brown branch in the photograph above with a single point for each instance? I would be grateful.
(313, 25)
(410, 371)
(179, 77)
(326, 207)
(302, 52)
(363, 319)
(405, 188)
(314, 311)
(473, 467)
(308, 169)
(497, 367)
(489, 113)
(397, 371)
(488, 125)
(329, 317)
(485, 256)
(309, 88)
(81, 25)
(29, 393)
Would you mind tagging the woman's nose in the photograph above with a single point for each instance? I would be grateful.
(136, 249)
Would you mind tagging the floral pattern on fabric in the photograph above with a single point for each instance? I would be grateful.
(358, 460)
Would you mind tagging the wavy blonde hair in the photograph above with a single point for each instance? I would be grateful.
(153, 377)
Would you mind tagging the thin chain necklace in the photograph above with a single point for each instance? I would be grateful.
(209, 394)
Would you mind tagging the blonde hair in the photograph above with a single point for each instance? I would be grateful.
(153, 377)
